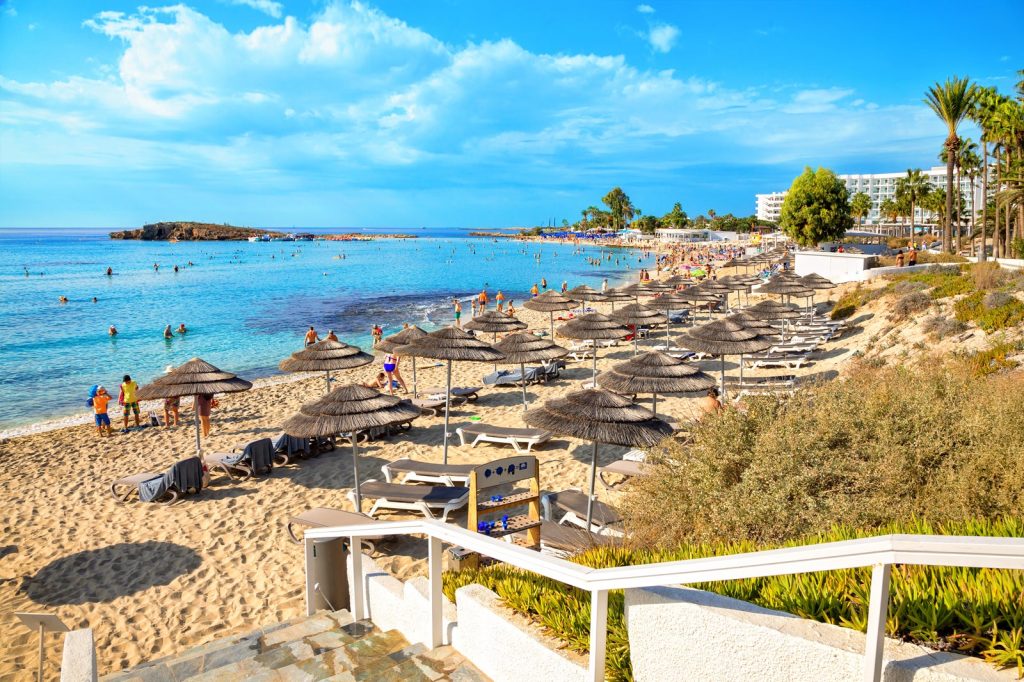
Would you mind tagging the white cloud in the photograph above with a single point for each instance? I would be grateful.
(816, 100)
(645, 9)
(268, 7)
(663, 37)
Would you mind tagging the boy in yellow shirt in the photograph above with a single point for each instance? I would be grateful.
(128, 399)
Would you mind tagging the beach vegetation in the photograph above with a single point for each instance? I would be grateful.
(910, 304)
(620, 208)
(817, 208)
(996, 358)
(912, 190)
(939, 327)
(676, 217)
(854, 299)
(969, 611)
(992, 312)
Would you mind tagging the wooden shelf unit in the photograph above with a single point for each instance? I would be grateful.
(484, 479)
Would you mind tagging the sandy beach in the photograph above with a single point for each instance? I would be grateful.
(151, 580)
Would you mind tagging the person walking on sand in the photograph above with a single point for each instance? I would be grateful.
(99, 402)
(127, 399)
(391, 369)
(204, 406)
(171, 407)
(311, 336)
(912, 256)
(458, 312)
(500, 298)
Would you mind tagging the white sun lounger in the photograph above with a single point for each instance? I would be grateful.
(787, 360)
(571, 508)
(413, 471)
(324, 517)
(422, 498)
(520, 439)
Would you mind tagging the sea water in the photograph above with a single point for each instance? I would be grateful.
(246, 305)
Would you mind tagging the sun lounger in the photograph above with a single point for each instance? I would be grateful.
(422, 498)
(623, 468)
(434, 406)
(571, 507)
(561, 540)
(787, 347)
(249, 460)
(520, 439)
(470, 393)
(323, 517)
(413, 471)
(582, 354)
(166, 487)
(787, 360)
(288, 448)
(508, 377)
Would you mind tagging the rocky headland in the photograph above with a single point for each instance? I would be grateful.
(192, 232)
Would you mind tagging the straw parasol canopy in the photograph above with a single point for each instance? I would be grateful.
(450, 344)
(600, 417)
(550, 302)
(495, 322)
(349, 409)
(523, 347)
(585, 293)
(326, 356)
(595, 327)
(634, 315)
(816, 281)
(614, 296)
(700, 295)
(725, 337)
(668, 302)
(785, 287)
(773, 310)
(679, 280)
(196, 377)
(656, 373)
(760, 325)
(389, 343)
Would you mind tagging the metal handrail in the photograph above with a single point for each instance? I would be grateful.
(879, 553)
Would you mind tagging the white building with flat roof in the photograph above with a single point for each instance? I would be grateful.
(769, 206)
(882, 186)
(673, 234)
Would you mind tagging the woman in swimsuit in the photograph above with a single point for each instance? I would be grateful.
(391, 369)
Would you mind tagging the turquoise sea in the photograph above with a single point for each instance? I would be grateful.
(246, 305)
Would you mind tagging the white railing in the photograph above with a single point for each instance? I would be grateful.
(880, 553)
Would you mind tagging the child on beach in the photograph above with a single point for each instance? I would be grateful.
(378, 334)
(99, 402)
(171, 407)
(129, 401)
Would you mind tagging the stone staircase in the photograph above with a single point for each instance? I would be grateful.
(326, 646)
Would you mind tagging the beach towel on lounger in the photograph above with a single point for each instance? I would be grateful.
(259, 454)
(183, 475)
(291, 444)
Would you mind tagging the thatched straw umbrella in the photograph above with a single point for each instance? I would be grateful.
(595, 327)
(585, 293)
(668, 302)
(774, 310)
(524, 347)
(614, 296)
(390, 343)
(195, 378)
(495, 322)
(713, 286)
(817, 283)
(634, 315)
(450, 344)
(699, 295)
(326, 356)
(349, 409)
(737, 283)
(656, 373)
(550, 302)
(786, 287)
(600, 417)
(680, 281)
(725, 337)
(762, 326)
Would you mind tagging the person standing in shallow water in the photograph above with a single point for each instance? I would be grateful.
(311, 336)
(458, 312)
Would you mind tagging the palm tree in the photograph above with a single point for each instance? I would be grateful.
(888, 210)
(912, 190)
(860, 206)
(970, 164)
(983, 113)
(952, 102)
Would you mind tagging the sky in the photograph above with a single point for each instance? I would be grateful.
(493, 113)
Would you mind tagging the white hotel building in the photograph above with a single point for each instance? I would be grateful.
(879, 186)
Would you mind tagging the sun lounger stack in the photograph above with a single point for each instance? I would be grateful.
(413, 471)
(521, 439)
(762, 385)
(787, 359)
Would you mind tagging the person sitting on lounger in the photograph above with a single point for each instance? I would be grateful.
(710, 404)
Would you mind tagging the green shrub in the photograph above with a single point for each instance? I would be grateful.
(994, 359)
(939, 327)
(1017, 247)
(911, 304)
(853, 299)
(971, 610)
(1007, 311)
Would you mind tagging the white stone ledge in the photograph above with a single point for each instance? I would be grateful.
(78, 662)
(686, 634)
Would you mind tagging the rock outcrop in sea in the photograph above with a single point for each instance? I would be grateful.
(194, 232)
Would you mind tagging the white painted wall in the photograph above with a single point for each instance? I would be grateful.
(838, 267)
(686, 634)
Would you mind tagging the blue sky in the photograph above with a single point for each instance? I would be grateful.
(459, 112)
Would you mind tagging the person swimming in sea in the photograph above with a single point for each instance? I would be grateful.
(168, 334)
(112, 331)
(181, 328)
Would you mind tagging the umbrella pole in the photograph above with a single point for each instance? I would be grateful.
(447, 409)
(328, 381)
(199, 446)
(522, 375)
(668, 329)
(355, 472)
(590, 498)
(595, 363)
(551, 318)
(494, 339)
(723, 376)
(741, 371)
(414, 395)
(636, 333)
(654, 407)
